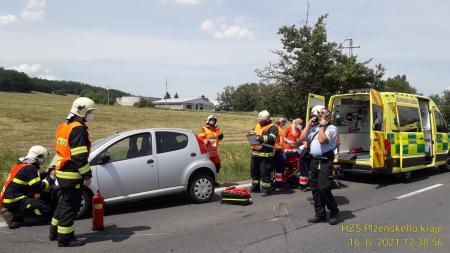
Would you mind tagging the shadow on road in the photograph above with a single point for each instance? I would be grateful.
(113, 233)
(386, 180)
(341, 200)
(345, 215)
(153, 204)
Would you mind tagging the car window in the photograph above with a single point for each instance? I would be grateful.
(441, 127)
(170, 141)
(409, 119)
(377, 117)
(131, 147)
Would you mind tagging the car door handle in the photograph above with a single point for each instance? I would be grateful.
(193, 154)
(150, 161)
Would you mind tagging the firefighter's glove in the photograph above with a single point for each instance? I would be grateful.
(220, 136)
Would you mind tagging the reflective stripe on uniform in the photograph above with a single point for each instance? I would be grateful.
(79, 150)
(278, 177)
(66, 230)
(262, 154)
(265, 138)
(33, 181)
(8, 201)
(255, 181)
(84, 169)
(68, 175)
(77, 186)
(54, 222)
(18, 181)
(37, 212)
(273, 136)
(47, 184)
(266, 185)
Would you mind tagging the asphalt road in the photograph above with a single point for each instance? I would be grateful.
(277, 223)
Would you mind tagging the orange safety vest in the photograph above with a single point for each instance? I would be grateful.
(277, 144)
(63, 150)
(213, 142)
(259, 131)
(11, 176)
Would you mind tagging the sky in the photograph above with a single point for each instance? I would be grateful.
(201, 46)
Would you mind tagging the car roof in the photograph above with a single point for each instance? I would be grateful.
(156, 129)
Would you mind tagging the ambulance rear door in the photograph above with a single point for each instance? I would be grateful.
(377, 132)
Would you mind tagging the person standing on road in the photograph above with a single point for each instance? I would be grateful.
(211, 135)
(279, 153)
(72, 170)
(262, 160)
(24, 180)
(321, 136)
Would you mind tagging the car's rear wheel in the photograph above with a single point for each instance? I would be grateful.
(201, 188)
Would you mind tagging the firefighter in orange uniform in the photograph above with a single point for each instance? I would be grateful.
(262, 160)
(211, 136)
(23, 180)
(72, 170)
(279, 154)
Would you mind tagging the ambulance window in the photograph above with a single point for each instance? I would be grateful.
(377, 118)
(441, 127)
(409, 119)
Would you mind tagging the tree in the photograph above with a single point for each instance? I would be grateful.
(245, 97)
(398, 84)
(224, 98)
(176, 95)
(144, 102)
(443, 102)
(167, 96)
(309, 63)
(204, 97)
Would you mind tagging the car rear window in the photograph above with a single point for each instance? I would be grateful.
(170, 141)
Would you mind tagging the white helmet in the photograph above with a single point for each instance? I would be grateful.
(81, 106)
(37, 154)
(210, 117)
(264, 115)
(315, 111)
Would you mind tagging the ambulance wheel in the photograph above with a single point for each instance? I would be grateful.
(201, 188)
(406, 176)
(444, 168)
(86, 205)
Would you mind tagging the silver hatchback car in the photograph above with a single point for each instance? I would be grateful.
(148, 163)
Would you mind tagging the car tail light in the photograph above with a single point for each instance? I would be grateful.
(387, 148)
(202, 147)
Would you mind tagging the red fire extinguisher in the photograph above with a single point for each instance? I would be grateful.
(97, 211)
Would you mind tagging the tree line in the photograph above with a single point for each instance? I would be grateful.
(309, 63)
(14, 81)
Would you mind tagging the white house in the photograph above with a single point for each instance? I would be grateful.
(131, 100)
(190, 104)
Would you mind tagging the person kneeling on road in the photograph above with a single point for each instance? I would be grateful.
(322, 137)
(262, 161)
(23, 180)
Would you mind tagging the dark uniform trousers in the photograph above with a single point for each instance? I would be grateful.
(320, 170)
(66, 212)
(28, 207)
(261, 172)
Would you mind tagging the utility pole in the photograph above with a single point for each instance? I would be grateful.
(307, 13)
(350, 47)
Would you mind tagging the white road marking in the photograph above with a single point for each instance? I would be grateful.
(240, 185)
(419, 191)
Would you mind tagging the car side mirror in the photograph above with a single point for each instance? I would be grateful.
(104, 158)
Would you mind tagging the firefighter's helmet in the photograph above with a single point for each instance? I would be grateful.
(37, 154)
(81, 106)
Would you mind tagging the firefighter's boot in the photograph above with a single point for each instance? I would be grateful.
(9, 218)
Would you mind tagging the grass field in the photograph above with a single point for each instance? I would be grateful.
(31, 119)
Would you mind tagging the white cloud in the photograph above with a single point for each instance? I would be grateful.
(34, 11)
(221, 30)
(184, 2)
(35, 70)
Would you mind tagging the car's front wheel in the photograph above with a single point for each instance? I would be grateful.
(201, 188)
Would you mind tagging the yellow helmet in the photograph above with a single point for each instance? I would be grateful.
(81, 106)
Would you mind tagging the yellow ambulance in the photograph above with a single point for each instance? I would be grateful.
(387, 132)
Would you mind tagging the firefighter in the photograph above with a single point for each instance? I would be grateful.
(72, 170)
(24, 180)
(321, 136)
(279, 153)
(211, 136)
(262, 160)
